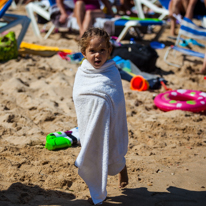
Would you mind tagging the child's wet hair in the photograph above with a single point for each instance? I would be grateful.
(89, 34)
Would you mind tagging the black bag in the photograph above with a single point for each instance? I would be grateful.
(144, 57)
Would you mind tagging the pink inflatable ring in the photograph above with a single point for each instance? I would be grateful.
(182, 99)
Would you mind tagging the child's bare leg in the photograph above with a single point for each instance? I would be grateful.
(123, 178)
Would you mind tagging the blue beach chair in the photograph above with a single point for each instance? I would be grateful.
(135, 22)
(142, 21)
(10, 20)
(189, 29)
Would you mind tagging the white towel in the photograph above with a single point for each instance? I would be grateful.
(100, 106)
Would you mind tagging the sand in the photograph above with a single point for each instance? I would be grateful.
(166, 156)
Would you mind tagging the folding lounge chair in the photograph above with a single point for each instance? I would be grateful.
(142, 21)
(137, 22)
(11, 20)
(189, 29)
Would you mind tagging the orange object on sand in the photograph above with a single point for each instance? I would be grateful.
(138, 83)
(2, 2)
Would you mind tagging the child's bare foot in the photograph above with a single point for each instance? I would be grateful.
(123, 178)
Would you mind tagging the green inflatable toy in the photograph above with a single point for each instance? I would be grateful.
(59, 140)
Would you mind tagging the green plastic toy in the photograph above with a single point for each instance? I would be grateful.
(59, 140)
(8, 47)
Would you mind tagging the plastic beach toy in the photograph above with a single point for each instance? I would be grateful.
(58, 140)
(181, 99)
(73, 58)
(139, 83)
(46, 51)
(8, 47)
(157, 45)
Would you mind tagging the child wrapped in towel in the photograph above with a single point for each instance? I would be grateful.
(101, 115)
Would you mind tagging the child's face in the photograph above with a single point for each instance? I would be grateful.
(97, 52)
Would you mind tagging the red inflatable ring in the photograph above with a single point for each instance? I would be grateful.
(181, 99)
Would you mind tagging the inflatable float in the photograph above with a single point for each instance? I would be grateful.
(181, 99)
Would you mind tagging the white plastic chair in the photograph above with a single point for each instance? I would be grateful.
(150, 4)
(13, 4)
(42, 10)
(11, 20)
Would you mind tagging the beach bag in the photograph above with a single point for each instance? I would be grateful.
(143, 56)
(8, 47)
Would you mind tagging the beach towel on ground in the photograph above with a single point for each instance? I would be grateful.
(100, 107)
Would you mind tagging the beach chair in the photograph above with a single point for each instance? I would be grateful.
(13, 4)
(163, 11)
(191, 30)
(142, 21)
(10, 20)
(134, 22)
(42, 10)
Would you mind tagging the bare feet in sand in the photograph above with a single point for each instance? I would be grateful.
(123, 178)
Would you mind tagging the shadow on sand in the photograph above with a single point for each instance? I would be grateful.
(174, 197)
(19, 194)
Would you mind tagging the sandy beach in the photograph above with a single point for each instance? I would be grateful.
(166, 156)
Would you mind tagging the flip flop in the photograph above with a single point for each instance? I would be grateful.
(194, 42)
(184, 43)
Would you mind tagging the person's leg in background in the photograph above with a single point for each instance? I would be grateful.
(190, 9)
(79, 13)
(90, 17)
(177, 7)
(195, 7)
